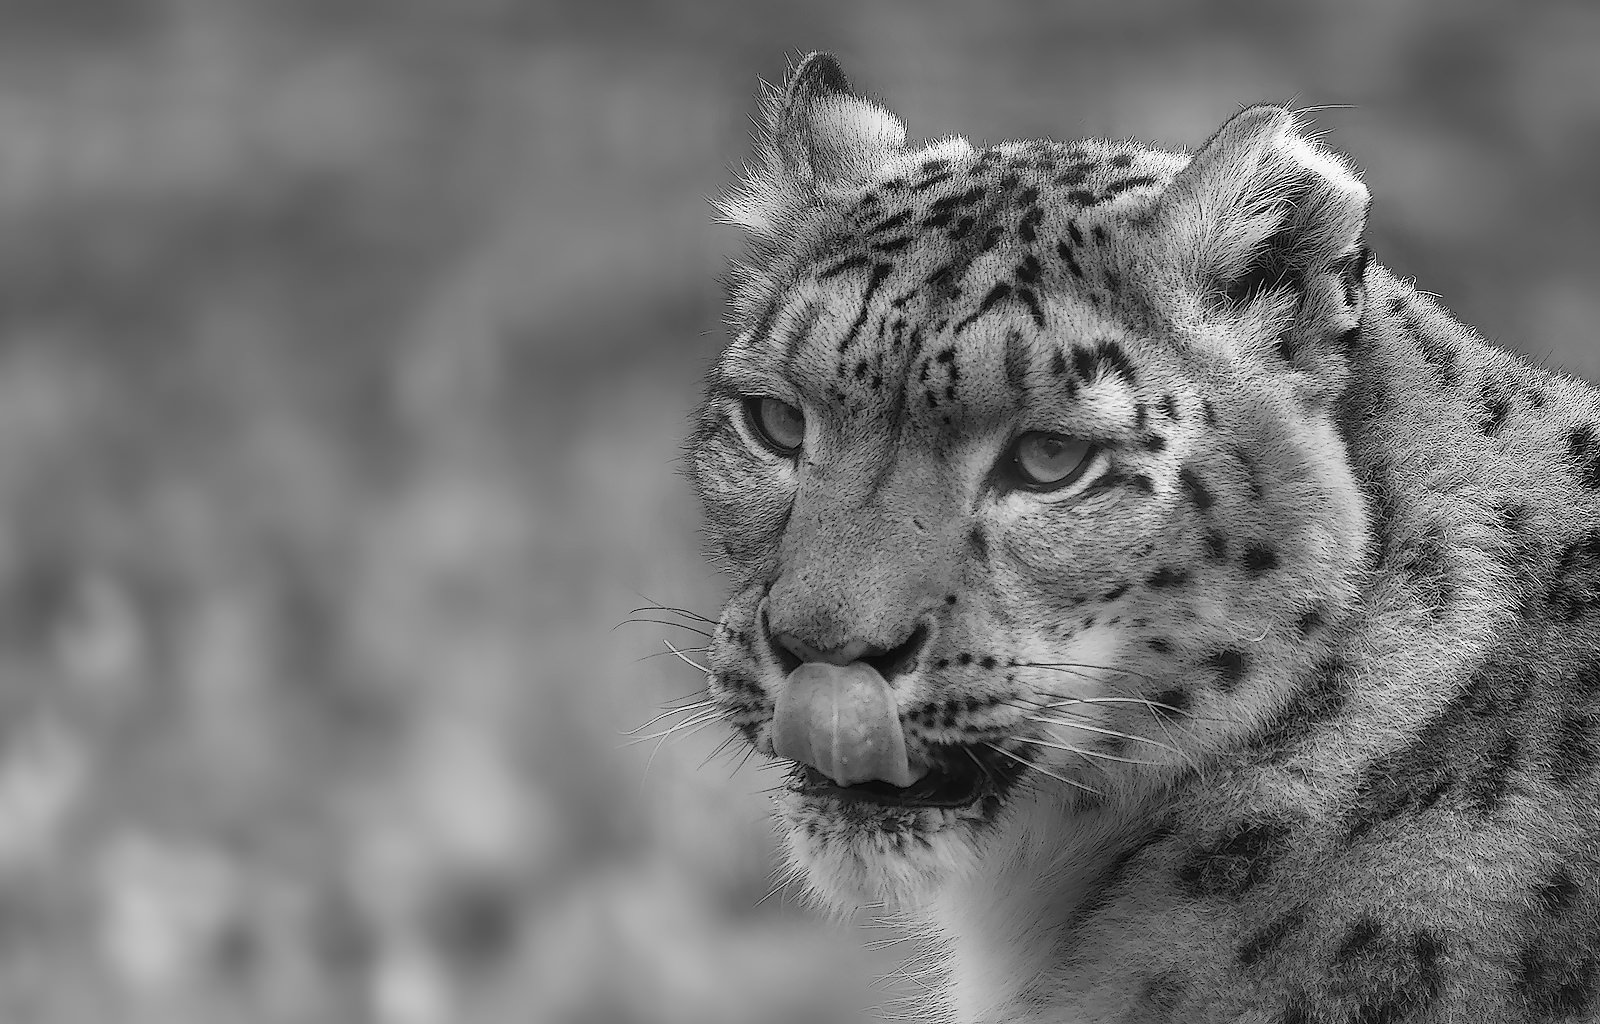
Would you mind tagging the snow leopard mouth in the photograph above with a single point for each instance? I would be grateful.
(958, 778)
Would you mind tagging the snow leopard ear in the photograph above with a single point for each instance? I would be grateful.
(1261, 205)
(817, 136)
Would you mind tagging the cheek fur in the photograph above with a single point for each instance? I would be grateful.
(746, 503)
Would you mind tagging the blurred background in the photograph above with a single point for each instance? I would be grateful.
(345, 351)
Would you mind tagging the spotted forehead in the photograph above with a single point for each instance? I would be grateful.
(1008, 220)
(1002, 190)
(956, 275)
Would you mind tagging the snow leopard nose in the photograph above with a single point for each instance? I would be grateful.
(792, 651)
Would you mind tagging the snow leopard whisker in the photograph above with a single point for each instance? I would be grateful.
(1165, 725)
(774, 891)
(693, 724)
(685, 658)
(1159, 710)
(983, 767)
(695, 721)
(784, 876)
(670, 610)
(738, 766)
(1050, 727)
(699, 691)
(1065, 707)
(663, 622)
(1166, 714)
(1067, 671)
(660, 654)
(1081, 752)
(1100, 730)
(696, 706)
(1041, 770)
(721, 748)
(1069, 701)
(1079, 668)
(1171, 746)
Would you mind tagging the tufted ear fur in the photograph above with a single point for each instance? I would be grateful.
(816, 137)
(1262, 205)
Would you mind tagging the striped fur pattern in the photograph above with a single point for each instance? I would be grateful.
(1290, 706)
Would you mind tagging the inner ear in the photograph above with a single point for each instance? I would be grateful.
(1320, 230)
(1269, 267)
(818, 138)
(827, 135)
(818, 80)
(1261, 206)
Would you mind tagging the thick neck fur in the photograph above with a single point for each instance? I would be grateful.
(1454, 445)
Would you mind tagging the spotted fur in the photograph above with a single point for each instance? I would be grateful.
(1291, 711)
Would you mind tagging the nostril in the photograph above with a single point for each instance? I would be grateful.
(901, 659)
(791, 652)
(791, 648)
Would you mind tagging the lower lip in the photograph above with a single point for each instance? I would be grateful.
(939, 791)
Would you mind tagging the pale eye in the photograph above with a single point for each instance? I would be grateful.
(776, 424)
(1044, 461)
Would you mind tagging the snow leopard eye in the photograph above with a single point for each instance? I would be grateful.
(778, 425)
(1043, 461)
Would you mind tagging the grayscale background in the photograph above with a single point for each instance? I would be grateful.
(345, 351)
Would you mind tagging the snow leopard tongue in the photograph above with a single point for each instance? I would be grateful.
(842, 721)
